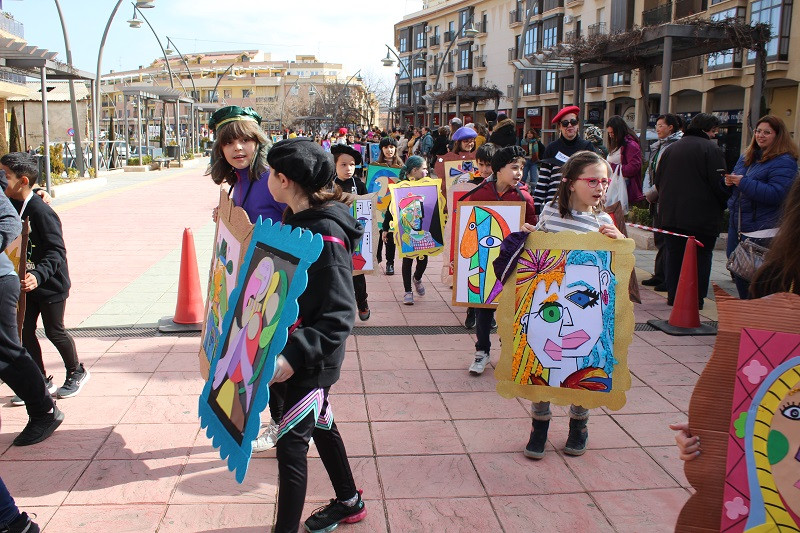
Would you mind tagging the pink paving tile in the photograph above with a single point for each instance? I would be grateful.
(667, 457)
(432, 319)
(408, 381)
(180, 362)
(464, 343)
(650, 430)
(350, 361)
(242, 518)
(42, 514)
(514, 474)
(442, 515)
(186, 345)
(687, 354)
(677, 395)
(41, 482)
(384, 319)
(117, 518)
(66, 443)
(210, 481)
(121, 482)
(696, 367)
(374, 522)
(149, 441)
(450, 359)
(659, 338)
(648, 355)
(481, 405)
(115, 384)
(644, 400)
(174, 384)
(385, 342)
(556, 513)
(391, 360)
(161, 409)
(438, 476)
(348, 407)
(146, 344)
(128, 362)
(463, 381)
(94, 344)
(416, 438)
(393, 407)
(665, 374)
(621, 469)
(642, 510)
(499, 435)
(365, 474)
(349, 382)
(88, 410)
(604, 432)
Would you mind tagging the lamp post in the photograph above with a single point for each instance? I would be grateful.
(358, 78)
(193, 135)
(469, 33)
(224, 72)
(73, 104)
(295, 85)
(517, 71)
(388, 62)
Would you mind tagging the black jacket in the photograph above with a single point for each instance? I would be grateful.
(504, 134)
(350, 184)
(691, 191)
(47, 252)
(315, 350)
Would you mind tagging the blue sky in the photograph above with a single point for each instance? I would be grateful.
(331, 30)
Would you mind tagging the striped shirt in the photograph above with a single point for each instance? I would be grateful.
(547, 184)
(581, 222)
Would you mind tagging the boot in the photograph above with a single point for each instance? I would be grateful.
(535, 447)
(577, 438)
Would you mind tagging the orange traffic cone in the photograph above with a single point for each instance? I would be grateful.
(685, 316)
(189, 309)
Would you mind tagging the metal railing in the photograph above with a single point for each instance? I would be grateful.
(598, 28)
(552, 4)
(479, 61)
(512, 54)
(571, 36)
(514, 16)
(12, 77)
(9, 25)
(449, 36)
(658, 15)
(687, 8)
(433, 40)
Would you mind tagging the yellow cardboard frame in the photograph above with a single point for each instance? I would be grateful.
(397, 188)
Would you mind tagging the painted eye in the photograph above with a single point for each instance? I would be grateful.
(471, 226)
(584, 298)
(792, 412)
(490, 242)
(550, 312)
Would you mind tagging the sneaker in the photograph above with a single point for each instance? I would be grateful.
(363, 313)
(39, 428)
(74, 382)
(538, 440)
(408, 299)
(389, 269)
(328, 517)
(267, 439)
(479, 364)
(51, 389)
(469, 322)
(22, 524)
(418, 286)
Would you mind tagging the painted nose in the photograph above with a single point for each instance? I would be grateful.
(566, 320)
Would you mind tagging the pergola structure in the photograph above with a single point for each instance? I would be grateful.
(29, 60)
(469, 94)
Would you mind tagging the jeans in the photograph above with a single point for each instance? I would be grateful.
(16, 365)
(292, 452)
(530, 174)
(541, 411)
(53, 320)
(675, 247)
(483, 328)
(422, 264)
(8, 509)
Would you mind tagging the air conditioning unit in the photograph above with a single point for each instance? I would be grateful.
(568, 19)
(476, 47)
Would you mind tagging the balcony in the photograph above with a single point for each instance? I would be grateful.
(688, 8)
(619, 79)
(598, 28)
(448, 68)
(479, 62)
(571, 37)
(512, 54)
(12, 77)
(449, 36)
(9, 25)
(658, 15)
(433, 41)
(514, 18)
(552, 4)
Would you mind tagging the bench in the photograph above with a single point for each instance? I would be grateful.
(158, 161)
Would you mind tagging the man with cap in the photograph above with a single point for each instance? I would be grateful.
(557, 153)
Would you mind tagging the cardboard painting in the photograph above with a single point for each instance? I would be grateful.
(374, 152)
(418, 217)
(454, 194)
(480, 228)
(262, 308)
(326, 145)
(746, 410)
(566, 321)
(231, 239)
(379, 178)
(15, 251)
(364, 209)
(459, 171)
(360, 149)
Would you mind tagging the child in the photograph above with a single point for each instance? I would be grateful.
(577, 206)
(415, 168)
(311, 361)
(483, 160)
(47, 280)
(239, 158)
(346, 158)
(388, 158)
(505, 184)
(17, 368)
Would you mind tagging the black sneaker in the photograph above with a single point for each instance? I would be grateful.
(39, 428)
(22, 524)
(328, 517)
(389, 269)
(469, 322)
(74, 382)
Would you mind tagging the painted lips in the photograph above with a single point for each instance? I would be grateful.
(569, 342)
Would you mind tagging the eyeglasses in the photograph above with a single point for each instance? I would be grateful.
(594, 182)
(762, 132)
(571, 122)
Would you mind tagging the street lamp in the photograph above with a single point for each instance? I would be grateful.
(388, 62)
(470, 33)
(73, 103)
(295, 85)
(357, 77)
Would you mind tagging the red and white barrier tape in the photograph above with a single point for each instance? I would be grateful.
(657, 230)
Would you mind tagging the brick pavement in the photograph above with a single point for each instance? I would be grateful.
(433, 448)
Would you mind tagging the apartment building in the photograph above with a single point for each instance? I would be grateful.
(716, 83)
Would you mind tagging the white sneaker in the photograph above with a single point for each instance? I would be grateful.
(267, 439)
(479, 364)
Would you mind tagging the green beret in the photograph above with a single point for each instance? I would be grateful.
(230, 113)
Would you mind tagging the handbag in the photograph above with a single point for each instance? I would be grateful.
(747, 257)
(617, 190)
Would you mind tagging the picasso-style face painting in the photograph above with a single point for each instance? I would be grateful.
(379, 178)
(417, 211)
(459, 171)
(364, 210)
(262, 307)
(482, 226)
(565, 318)
(374, 152)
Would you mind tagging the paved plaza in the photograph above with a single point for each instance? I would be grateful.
(433, 448)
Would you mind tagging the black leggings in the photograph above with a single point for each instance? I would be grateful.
(422, 264)
(292, 452)
(390, 246)
(360, 288)
(53, 320)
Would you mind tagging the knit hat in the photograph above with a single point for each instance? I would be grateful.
(337, 149)
(388, 141)
(593, 133)
(342, 131)
(566, 111)
(230, 113)
(464, 133)
(302, 161)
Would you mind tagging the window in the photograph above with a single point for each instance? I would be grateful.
(402, 45)
(549, 82)
(550, 30)
(247, 93)
(531, 38)
(419, 37)
(464, 16)
(403, 95)
(463, 58)
(451, 27)
(227, 93)
(419, 68)
(528, 82)
(778, 14)
(404, 64)
(727, 58)
(213, 96)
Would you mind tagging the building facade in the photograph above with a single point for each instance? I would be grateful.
(716, 83)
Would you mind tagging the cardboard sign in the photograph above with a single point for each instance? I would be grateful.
(379, 178)
(459, 171)
(417, 209)
(454, 195)
(16, 251)
(365, 209)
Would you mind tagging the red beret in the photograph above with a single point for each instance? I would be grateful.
(566, 111)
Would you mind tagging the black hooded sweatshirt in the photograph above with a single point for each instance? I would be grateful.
(315, 350)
